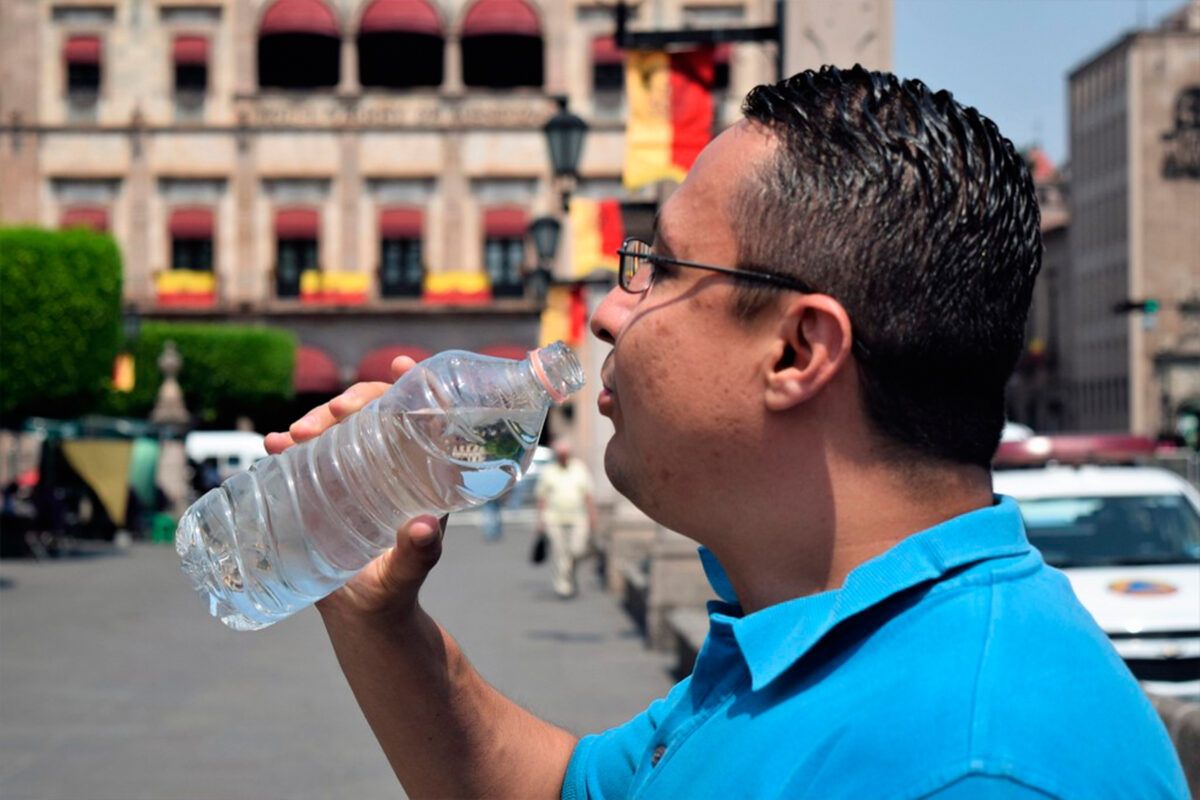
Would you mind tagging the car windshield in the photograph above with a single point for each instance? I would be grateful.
(1111, 531)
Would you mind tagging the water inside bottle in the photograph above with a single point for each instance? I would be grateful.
(487, 447)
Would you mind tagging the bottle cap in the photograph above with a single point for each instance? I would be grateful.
(558, 370)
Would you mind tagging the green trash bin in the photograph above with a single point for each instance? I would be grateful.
(162, 529)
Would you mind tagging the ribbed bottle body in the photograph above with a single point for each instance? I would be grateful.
(295, 527)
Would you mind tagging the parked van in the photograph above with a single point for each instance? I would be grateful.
(234, 451)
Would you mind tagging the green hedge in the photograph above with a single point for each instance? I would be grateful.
(228, 370)
(60, 320)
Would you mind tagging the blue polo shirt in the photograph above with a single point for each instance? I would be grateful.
(955, 665)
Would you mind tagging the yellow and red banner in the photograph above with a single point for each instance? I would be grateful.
(333, 288)
(185, 288)
(597, 232)
(457, 288)
(565, 316)
(670, 113)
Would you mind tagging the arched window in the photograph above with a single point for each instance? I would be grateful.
(502, 45)
(298, 46)
(400, 45)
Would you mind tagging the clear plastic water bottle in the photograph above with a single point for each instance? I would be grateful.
(456, 431)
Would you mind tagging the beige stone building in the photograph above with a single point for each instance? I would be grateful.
(1135, 232)
(361, 172)
(1036, 395)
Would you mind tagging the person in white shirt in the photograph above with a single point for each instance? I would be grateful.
(566, 513)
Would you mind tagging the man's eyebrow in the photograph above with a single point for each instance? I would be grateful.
(657, 239)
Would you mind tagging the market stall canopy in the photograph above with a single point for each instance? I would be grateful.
(104, 465)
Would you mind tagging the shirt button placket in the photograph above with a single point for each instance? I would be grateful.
(657, 755)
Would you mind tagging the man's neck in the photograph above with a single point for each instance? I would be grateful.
(810, 547)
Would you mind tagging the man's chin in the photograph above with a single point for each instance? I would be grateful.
(621, 476)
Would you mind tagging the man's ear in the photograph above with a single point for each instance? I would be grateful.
(812, 344)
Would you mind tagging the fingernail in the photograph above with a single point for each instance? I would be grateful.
(423, 531)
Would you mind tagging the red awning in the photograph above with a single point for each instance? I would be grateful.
(511, 17)
(85, 216)
(191, 223)
(513, 351)
(299, 16)
(721, 52)
(191, 50)
(82, 50)
(296, 223)
(400, 223)
(377, 364)
(510, 223)
(316, 372)
(605, 52)
(401, 16)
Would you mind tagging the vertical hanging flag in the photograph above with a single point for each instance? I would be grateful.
(597, 231)
(565, 316)
(670, 113)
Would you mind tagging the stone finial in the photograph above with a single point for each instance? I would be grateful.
(169, 408)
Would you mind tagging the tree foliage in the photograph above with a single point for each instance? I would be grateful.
(228, 370)
(60, 318)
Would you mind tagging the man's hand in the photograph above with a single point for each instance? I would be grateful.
(389, 584)
(445, 731)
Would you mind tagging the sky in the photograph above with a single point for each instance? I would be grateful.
(1010, 58)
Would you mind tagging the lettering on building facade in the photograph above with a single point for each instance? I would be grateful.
(265, 111)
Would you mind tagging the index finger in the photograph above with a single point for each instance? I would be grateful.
(324, 416)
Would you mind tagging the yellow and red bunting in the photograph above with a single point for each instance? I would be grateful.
(458, 288)
(597, 233)
(333, 288)
(185, 288)
(670, 113)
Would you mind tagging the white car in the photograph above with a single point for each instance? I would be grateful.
(1128, 539)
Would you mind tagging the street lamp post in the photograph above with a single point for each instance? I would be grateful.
(565, 133)
(545, 232)
(564, 137)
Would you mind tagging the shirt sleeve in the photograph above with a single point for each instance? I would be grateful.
(987, 787)
(603, 765)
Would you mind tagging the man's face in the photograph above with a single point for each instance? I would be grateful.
(683, 384)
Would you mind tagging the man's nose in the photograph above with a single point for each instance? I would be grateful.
(609, 316)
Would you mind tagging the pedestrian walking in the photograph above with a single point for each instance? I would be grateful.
(807, 378)
(493, 522)
(566, 515)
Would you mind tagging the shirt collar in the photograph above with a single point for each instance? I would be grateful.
(774, 638)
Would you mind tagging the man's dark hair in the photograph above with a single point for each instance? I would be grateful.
(921, 219)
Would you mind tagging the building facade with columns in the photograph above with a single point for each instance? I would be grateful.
(360, 172)
(1134, 205)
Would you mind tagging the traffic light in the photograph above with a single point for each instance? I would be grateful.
(1126, 306)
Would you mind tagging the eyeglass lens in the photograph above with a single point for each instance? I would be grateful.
(636, 267)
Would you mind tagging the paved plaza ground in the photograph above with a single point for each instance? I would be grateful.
(115, 684)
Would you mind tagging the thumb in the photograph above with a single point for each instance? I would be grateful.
(418, 548)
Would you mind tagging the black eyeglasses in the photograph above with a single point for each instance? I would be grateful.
(636, 275)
